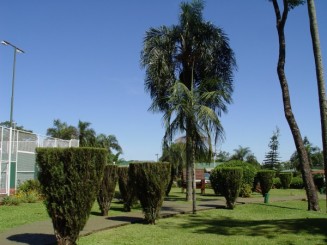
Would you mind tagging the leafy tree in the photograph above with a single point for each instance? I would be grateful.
(222, 156)
(314, 154)
(320, 79)
(272, 157)
(189, 70)
(305, 167)
(6, 124)
(251, 158)
(61, 130)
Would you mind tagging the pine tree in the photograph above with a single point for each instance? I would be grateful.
(272, 157)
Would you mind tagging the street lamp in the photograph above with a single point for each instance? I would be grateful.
(16, 49)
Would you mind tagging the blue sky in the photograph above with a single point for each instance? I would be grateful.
(82, 62)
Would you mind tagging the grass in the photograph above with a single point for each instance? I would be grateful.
(278, 223)
(12, 216)
(282, 223)
(25, 213)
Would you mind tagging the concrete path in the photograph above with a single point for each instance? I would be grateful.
(41, 233)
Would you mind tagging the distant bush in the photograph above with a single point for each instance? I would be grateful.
(246, 190)
(107, 188)
(29, 185)
(150, 181)
(70, 180)
(11, 200)
(285, 179)
(249, 172)
(297, 183)
(126, 189)
(276, 183)
(266, 180)
(227, 181)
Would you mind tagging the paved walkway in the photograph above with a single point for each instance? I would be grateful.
(41, 233)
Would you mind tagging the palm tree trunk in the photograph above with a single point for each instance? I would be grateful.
(320, 80)
(189, 165)
(304, 162)
(193, 180)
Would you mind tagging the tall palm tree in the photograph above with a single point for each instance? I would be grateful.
(320, 79)
(86, 135)
(281, 18)
(184, 63)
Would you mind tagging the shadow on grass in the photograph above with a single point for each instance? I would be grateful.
(127, 219)
(33, 238)
(258, 228)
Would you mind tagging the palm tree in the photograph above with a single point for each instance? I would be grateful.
(281, 18)
(109, 142)
(241, 153)
(86, 135)
(320, 79)
(184, 64)
(61, 130)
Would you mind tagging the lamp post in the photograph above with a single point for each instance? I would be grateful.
(16, 49)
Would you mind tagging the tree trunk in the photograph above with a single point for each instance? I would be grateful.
(193, 180)
(304, 162)
(320, 80)
(189, 165)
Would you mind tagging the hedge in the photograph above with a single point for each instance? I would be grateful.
(286, 179)
(107, 188)
(266, 180)
(227, 181)
(70, 179)
(249, 172)
(297, 183)
(150, 181)
(126, 189)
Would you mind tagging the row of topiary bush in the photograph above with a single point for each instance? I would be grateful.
(228, 181)
(73, 178)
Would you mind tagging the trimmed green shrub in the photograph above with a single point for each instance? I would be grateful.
(249, 172)
(266, 180)
(107, 188)
(126, 189)
(319, 181)
(276, 183)
(285, 179)
(297, 183)
(70, 180)
(227, 181)
(150, 181)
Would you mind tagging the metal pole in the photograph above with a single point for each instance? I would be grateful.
(13, 89)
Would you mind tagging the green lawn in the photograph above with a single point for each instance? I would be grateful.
(277, 223)
(12, 216)
(282, 223)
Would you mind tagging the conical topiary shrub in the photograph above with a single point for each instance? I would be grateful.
(70, 179)
(227, 181)
(126, 188)
(107, 188)
(150, 181)
(266, 179)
